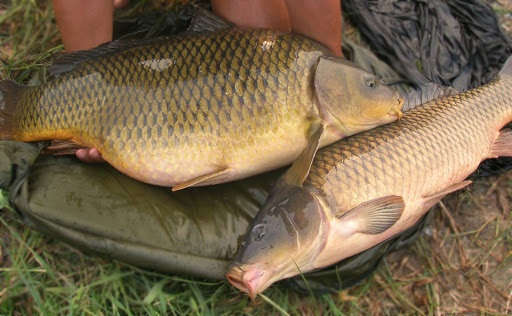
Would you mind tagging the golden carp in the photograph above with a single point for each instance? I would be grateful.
(367, 188)
(200, 108)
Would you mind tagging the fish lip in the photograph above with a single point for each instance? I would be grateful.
(249, 279)
(396, 112)
(266, 277)
(401, 101)
(234, 277)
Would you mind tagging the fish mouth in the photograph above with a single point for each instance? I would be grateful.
(249, 279)
(397, 111)
(400, 101)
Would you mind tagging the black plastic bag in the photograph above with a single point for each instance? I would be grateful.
(455, 43)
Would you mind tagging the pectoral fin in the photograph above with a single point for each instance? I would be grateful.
(372, 217)
(299, 170)
(502, 145)
(201, 179)
(452, 188)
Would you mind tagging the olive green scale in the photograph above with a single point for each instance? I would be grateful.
(174, 108)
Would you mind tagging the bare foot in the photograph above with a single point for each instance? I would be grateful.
(84, 24)
(317, 19)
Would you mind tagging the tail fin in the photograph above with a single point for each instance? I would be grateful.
(507, 67)
(9, 94)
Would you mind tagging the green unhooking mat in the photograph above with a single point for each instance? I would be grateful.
(193, 232)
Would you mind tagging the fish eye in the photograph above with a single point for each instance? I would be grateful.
(258, 232)
(371, 83)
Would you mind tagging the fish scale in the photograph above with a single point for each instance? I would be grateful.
(198, 108)
(252, 80)
(430, 148)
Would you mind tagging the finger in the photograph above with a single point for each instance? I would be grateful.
(89, 155)
(120, 3)
(82, 154)
(95, 155)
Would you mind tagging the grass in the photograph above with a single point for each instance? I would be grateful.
(462, 263)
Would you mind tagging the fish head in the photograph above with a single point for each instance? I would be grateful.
(352, 100)
(281, 242)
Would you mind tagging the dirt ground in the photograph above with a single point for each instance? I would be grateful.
(464, 254)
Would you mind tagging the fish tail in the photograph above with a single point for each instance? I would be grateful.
(9, 95)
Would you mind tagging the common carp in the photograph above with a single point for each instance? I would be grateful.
(367, 188)
(200, 108)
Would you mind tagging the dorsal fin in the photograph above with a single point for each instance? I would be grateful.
(507, 67)
(68, 61)
(206, 21)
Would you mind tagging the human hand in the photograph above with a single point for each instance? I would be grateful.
(89, 155)
(120, 3)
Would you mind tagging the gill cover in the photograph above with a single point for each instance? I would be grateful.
(282, 232)
(352, 96)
